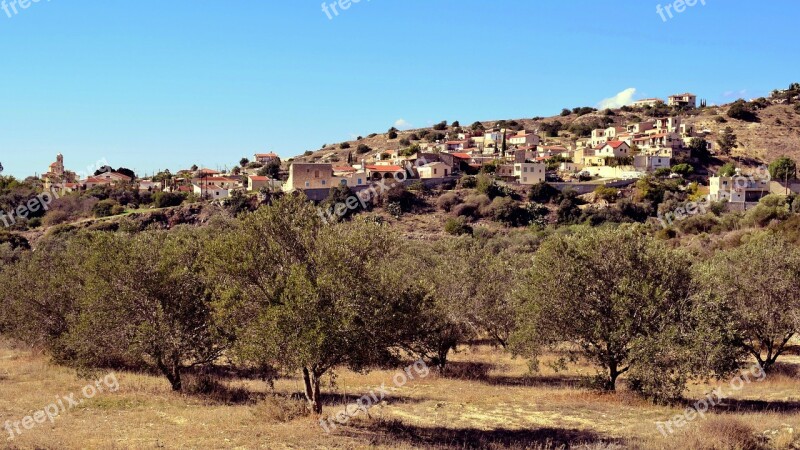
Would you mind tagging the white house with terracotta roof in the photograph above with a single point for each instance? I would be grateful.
(613, 149)
(523, 138)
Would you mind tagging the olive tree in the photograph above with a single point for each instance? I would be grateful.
(752, 295)
(606, 294)
(310, 298)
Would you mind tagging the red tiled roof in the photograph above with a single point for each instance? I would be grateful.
(257, 178)
(615, 144)
(385, 168)
(461, 155)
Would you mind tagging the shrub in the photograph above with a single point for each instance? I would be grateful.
(468, 210)
(608, 194)
(344, 145)
(440, 126)
(393, 135)
(468, 182)
(104, 208)
(543, 193)
(683, 170)
(281, 409)
(741, 111)
(698, 224)
(167, 199)
(363, 148)
(457, 227)
(447, 201)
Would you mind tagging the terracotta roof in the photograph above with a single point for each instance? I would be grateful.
(385, 168)
(615, 144)
(461, 155)
(257, 178)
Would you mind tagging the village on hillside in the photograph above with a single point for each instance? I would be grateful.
(612, 157)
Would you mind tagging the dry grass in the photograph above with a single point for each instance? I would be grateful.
(487, 400)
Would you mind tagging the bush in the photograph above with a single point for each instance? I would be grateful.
(104, 208)
(167, 199)
(468, 182)
(457, 227)
(468, 210)
(363, 148)
(280, 409)
(447, 201)
(543, 193)
(741, 111)
(344, 145)
(683, 170)
(608, 194)
(441, 126)
(698, 224)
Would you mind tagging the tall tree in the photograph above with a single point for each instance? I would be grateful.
(727, 141)
(290, 290)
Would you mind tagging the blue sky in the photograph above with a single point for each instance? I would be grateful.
(166, 84)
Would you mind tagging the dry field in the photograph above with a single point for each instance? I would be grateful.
(489, 400)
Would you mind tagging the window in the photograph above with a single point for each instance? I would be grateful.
(323, 182)
(359, 181)
(308, 184)
(435, 171)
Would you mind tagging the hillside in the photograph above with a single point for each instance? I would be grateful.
(775, 134)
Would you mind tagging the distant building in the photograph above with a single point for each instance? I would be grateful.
(530, 173)
(652, 102)
(683, 100)
(434, 170)
(308, 176)
(266, 158)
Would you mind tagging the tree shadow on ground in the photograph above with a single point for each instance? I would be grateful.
(336, 399)
(394, 432)
(482, 372)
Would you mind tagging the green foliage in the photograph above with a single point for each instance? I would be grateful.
(739, 288)
(608, 194)
(167, 199)
(468, 182)
(727, 170)
(104, 208)
(740, 110)
(639, 306)
(683, 170)
(344, 145)
(543, 193)
(363, 149)
(441, 126)
(457, 226)
(727, 141)
(783, 169)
